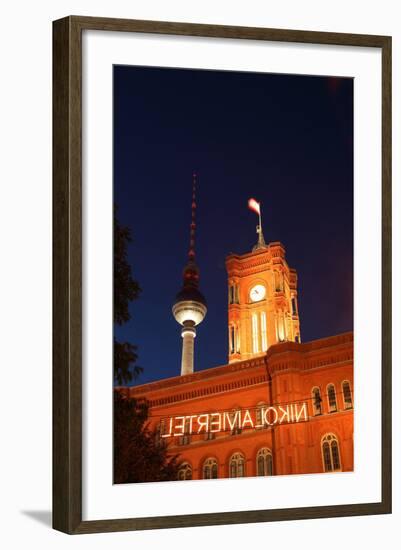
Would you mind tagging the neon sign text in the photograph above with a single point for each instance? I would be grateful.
(239, 419)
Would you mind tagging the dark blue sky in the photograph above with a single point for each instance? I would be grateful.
(285, 140)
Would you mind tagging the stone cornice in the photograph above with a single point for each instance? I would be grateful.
(311, 355)
(240, 383)
(278, 358)
(199, 377)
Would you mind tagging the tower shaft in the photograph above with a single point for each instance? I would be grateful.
(187, 360)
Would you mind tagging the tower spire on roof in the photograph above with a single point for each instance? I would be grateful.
(261, 240)
(191, 253)
(255, 207)
(191, 270)
(189, 308)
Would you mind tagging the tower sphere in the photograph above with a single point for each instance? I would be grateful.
(190, 307)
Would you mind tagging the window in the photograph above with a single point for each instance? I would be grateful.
(186, 438)
(184, 472)
(331, 397)
(264, 462)
(255, 341)
(316, 401)
(210, 469)
(347, 397)
(260, 419)
(160, 430)
(235, 417)
(233, 294)
(263, 330)
(210, 435)
(278, 279)
(330, 453)
(232, 339)
(294, 306)
(237, 465)
(281, 328)
(234, 342)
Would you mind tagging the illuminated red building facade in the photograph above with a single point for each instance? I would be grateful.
(279, 406)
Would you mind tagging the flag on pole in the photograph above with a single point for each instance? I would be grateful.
(254, 205)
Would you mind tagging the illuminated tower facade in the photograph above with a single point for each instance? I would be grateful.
(189, 308)
(262, 300)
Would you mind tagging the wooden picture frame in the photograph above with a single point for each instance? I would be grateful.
(67, 274)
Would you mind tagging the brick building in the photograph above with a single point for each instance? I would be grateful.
(279, 406)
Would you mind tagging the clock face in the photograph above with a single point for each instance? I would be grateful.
(257, 293)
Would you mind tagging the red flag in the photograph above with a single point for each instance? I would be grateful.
(254, 205)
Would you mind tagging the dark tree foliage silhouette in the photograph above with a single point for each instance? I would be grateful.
(139, 456)
(125, 357)
(125, 290)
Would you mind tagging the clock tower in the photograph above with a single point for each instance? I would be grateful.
(262, 300)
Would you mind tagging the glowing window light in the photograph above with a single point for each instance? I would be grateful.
(263, 330)
(232, 339)
(281, 328)
(255, 342)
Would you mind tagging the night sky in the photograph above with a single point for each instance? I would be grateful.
(285, 140)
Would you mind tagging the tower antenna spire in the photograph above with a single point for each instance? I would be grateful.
(189, 308)
(191, 253)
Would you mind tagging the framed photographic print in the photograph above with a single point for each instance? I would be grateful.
(222, 271)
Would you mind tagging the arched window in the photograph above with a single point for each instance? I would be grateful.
(232, 339)
(264, 462)
(184, 472)
(278, 279)
(255, 340)
(210, 469)
(263, 330)
(316, 401)
(237, 465)
(281, 328)
(347, 396)
(331, 453)
(331, 398)
(233, 294)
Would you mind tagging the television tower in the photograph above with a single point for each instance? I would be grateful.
(189, 308)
